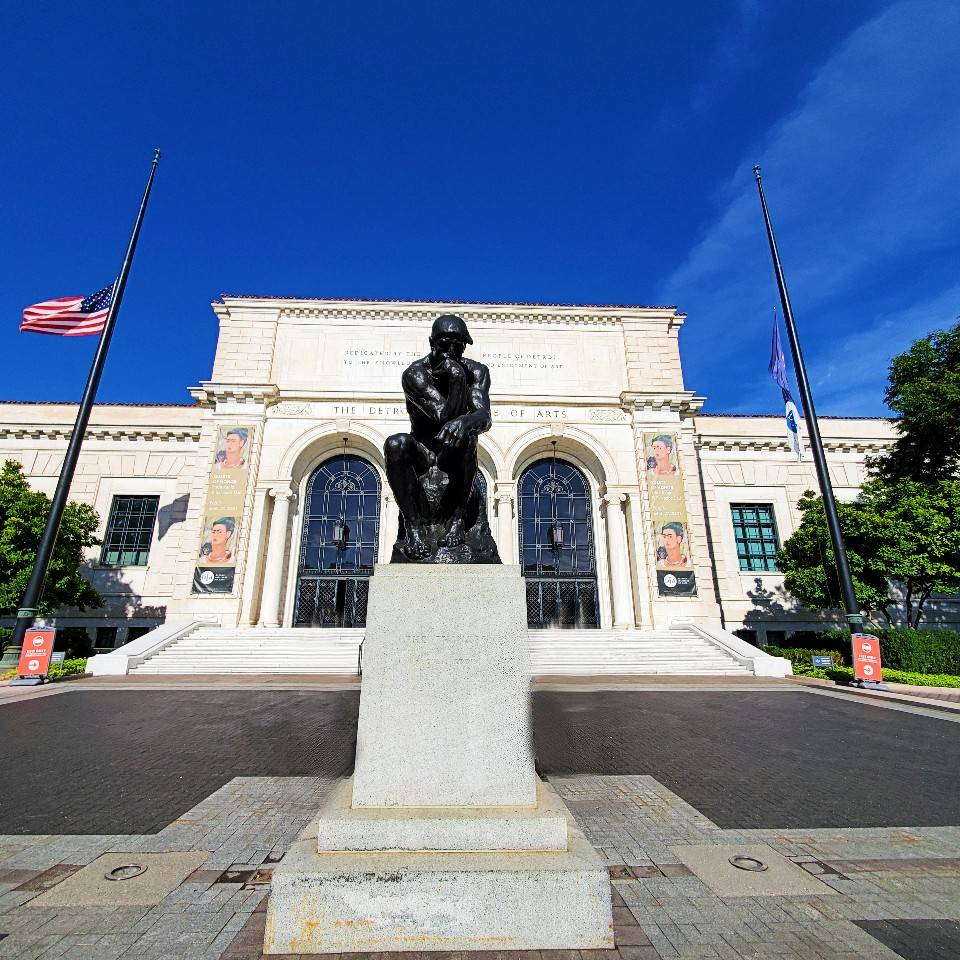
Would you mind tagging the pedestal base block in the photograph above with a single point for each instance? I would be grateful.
(338, 901)
(542, 828)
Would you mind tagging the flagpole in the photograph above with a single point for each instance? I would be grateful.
(854, 618)
(31, 597)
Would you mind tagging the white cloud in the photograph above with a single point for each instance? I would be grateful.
(863, 182)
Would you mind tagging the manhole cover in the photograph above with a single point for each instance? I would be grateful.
(125, 871)
(748, 863)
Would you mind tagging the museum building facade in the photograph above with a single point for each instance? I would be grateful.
(264, 503)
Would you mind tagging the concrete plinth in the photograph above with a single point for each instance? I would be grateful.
(445, 839)
(445, 707)
(350, 901)
(342, 827)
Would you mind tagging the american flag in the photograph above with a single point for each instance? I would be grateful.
(69, 316)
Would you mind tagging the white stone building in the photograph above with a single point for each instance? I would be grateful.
(310, 389)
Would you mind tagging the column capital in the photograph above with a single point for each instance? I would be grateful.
(503, 496)
(281, 493)
(614, 498)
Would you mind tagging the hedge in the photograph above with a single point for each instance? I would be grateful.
(842, 674)
(915, 651)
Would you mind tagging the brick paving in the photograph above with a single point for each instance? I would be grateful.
(889, 888)
(880, 879)
(130, 761)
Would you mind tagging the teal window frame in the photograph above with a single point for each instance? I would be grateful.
(755, 534)
(129, 533)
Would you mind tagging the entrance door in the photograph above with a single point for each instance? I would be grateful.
(338, 544)
(557, 546)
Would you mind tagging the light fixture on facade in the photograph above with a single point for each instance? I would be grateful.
(341, 529)
(555, 532)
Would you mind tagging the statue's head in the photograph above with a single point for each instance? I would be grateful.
(449, 334)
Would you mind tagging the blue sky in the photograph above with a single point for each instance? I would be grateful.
(557, 152)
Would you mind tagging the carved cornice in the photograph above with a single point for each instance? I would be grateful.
(422, 315)
(686, 403)
(776, 445)
(209, 394)
(126, 433)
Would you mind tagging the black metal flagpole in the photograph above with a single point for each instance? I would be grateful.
(31, 597)
(854, 618)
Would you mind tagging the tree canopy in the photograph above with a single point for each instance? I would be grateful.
(924, 391)
(23, 515)
(902, 531)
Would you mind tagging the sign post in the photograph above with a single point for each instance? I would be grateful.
(867, 670)
(34, 657)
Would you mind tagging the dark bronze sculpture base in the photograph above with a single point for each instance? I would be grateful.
(479, 545)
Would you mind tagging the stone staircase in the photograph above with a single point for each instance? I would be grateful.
(253, 650)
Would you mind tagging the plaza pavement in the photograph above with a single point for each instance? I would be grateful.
(859, 795)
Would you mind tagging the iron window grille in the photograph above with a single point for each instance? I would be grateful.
(339, 541)
(560, 569)
(755, 533)
(129, 531)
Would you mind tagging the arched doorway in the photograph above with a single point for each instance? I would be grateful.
(557, 550)
(338, 543)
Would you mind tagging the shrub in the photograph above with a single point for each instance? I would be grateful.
(802, 659)
(68, 668)
(5, 634)
(916, 651)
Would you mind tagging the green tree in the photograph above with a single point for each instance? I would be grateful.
(924, 391)
(23, 515)
(901, 534)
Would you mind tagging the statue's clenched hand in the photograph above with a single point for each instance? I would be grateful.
(453, 433)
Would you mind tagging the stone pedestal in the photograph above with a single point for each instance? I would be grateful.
(444, 839)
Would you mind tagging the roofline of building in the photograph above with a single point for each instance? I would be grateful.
(779, 416)
(99, 403)
(464, 303)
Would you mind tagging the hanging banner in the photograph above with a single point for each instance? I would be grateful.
(668, 514)
(226, 492)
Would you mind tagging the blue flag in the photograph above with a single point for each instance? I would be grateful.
(778, 370)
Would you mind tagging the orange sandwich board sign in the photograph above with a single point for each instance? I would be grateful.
(36, 653)
(866, 658)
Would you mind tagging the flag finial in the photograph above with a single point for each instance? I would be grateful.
(756, 171)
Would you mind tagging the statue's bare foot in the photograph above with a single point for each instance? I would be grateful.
(455, 535)
(416, 547)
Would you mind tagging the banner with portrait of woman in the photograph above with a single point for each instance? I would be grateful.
(673, 559)
(226, 492)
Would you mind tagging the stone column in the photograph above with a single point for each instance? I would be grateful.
(619, 560)
(508, 553)
(273, 567)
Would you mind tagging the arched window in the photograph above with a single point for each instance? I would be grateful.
(338, 543)
(557, 546)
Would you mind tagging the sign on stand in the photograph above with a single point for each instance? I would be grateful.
(36, 653)
(866, 658)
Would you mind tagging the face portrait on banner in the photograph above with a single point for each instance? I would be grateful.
(232, 454)
(223, 512)
(673, 559)
(661, 455)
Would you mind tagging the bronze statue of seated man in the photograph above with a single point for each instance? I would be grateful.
(432, 469)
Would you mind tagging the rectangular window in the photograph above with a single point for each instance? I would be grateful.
(129, 531)
(755, 530)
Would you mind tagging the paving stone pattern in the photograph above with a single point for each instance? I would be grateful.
(661, 909)
(124, 761)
